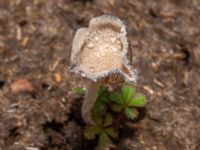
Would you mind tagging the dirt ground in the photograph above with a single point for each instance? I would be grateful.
(38, 110)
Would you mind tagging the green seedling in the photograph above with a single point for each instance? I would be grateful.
(108, 111)
(101, 104)
(79, 91)
(103, 130)
(127, 101)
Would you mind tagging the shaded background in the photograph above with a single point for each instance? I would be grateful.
(38, 109)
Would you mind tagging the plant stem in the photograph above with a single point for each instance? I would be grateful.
(118, 119)
(89, 101)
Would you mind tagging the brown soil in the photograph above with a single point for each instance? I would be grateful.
(35, 44)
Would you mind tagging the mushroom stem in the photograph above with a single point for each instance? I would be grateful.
(89, 101)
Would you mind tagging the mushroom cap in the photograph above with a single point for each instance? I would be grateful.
(101, 51)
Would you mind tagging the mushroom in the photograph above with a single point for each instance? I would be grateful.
(101, 54)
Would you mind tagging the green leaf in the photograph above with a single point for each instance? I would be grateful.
(108, 120)
(104, 140)
(91, 131)
(104, 98)
(79, 91)
(139, 101)
(103, 89)
(112, 132)
(97, 119)
(116, 107)
(131, 113)
(116, 97)
(103, 94)
(99, 108)
(127, 93)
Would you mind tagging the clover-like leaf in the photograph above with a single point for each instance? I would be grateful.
(99, 108)
(108, 120)
(138, 101)
(103, 94)
(116, 97)
(104, 98)
(79, 91)
(97, 119)
(104, 139)
(91, 131)
(116, 107)
(103, 89)
(112, 132)
(127, 93)
(131, 113)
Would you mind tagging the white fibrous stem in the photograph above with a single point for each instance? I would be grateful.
(89, 101)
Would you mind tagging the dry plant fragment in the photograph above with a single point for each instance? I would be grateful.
(21, 85)
(101, 54)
